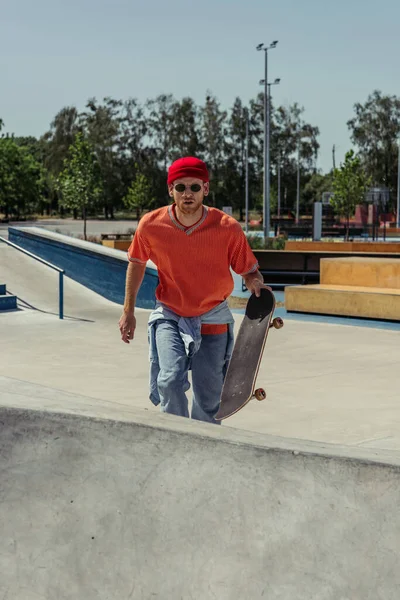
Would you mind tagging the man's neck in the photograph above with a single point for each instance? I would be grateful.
(189, 219)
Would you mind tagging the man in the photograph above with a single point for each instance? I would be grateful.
(191, 328)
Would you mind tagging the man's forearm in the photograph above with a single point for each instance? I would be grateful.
(251, 277)
(134, 277)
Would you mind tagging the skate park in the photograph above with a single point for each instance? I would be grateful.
(102, 496)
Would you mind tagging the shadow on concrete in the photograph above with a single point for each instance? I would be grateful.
(29, 306)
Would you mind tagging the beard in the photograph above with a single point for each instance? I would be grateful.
(189, 206)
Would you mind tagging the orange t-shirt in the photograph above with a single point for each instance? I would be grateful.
(193, 262)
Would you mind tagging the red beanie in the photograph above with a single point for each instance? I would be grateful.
(189, 166)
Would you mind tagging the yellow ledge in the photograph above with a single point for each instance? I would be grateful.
(361, 271)
(390, 247)
(342, 300)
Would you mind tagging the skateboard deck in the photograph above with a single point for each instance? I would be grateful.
(241, 375)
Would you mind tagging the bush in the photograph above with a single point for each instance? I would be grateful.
(258, 243)
(95, 239)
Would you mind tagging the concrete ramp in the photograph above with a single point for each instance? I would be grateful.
(164, 508)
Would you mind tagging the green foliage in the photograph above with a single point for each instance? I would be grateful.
(60, 138)
(349, 187)
(126, 133)
(277, 243)
(152, 135)
(128, 137)
(257, 242)
(212, 123)
(101, 124)
(79, 183)
(139, 196)
(375, 129)
(317, 185)
(21, 179)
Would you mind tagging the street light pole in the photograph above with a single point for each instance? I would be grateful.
(398, 189)
(247, 171)
(276, 82)
(298, 184)
(266, 194)
(279, 190)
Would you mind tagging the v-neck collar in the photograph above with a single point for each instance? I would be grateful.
(187, 230)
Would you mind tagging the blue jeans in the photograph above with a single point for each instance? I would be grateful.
(208, 366)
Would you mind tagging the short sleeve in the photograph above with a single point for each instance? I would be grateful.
(243, 260)
(139, 250)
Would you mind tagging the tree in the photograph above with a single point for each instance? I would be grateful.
(129, 137)
(59, 139)
(134, 128)
(21, 179)
(234, 142)
(101, 124)
(37, 149)
(79, 182)
(212, 126)
(185, 129)
(139, 196)
(375, 130)
(316, 186)
(292, 141)
(160, 127)
(131, 143)
(349, 187)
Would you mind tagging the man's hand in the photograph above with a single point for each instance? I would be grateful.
(127, 326)
(255, 283)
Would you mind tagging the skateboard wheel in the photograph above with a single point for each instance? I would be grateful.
(260, 394)
(277, 323)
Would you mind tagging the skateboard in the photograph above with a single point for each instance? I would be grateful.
(240, 379)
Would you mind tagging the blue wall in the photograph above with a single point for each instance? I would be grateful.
(103, 274)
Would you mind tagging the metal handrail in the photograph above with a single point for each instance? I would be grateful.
(44, 262)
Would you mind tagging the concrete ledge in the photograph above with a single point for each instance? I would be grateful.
(98, 268)
(349, 301)
(117, 244)
(95, 509)
(361, 271)
(48, 407)
(370, 247)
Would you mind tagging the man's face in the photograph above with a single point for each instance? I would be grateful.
(188, 201)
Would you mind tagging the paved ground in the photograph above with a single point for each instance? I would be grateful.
(102, 497)
(325, 381)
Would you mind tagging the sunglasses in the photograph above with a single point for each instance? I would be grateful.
(181, 187)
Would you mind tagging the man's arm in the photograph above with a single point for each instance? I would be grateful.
(134, 277)
(255, 282)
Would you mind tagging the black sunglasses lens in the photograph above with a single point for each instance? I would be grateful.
(180, 187)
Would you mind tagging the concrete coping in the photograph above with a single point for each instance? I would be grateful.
(84, 245)
(207, 432)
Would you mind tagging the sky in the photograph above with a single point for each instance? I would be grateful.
(331, 54)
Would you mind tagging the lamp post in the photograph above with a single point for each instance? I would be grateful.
(266, 199)
(298, 184)
(247, 170)
(398, 189)
(276, 82)
(300, 133)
